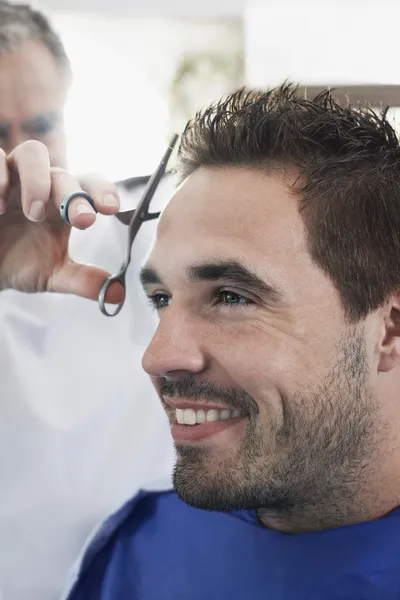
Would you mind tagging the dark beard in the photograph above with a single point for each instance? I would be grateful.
(318, 458)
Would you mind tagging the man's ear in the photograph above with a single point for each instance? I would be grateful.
(390, 343)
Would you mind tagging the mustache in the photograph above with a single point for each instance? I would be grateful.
(192, 389)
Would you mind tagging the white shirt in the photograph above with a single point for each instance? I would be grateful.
(81, 428)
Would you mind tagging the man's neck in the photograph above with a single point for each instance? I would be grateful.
(367, 506)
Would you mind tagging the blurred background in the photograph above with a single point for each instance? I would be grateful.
(142, 67)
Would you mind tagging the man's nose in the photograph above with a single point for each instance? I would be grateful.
(177, 346)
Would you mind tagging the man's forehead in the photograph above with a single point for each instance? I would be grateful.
(241, 204)
(245, 217)
(31, 83)
(220, 215)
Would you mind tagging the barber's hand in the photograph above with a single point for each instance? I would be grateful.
(33, 237)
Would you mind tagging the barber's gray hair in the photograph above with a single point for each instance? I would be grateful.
(21, 23)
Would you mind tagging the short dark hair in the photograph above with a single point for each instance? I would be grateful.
(20, 23)
(348, 161)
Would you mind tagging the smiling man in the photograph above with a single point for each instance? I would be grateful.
(277, 359)
(275, 274)
(247, 285)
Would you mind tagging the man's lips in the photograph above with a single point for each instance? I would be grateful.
(195, 421)
(198, 433)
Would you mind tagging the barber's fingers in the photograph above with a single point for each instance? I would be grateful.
(103, 192)
(80, 213)
(84, 281)
(30, 163)
(4, 179)
(43, 189)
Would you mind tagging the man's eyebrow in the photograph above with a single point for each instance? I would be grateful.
(46, 119)
(234, 273)
(149, 276)
(231, 272)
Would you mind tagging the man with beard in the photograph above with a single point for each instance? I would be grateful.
(275, 274)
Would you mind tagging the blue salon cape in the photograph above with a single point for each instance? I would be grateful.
(158, 548)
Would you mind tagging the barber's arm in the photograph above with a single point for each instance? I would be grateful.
(33, 237)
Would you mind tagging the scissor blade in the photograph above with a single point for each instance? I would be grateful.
(156, 177)
(151, 216)
(125, 217)
(141, 211)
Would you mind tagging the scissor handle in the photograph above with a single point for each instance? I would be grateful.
(120, 277)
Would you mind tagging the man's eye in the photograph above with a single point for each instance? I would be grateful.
(41, 128)
(159, 301)
(232, 298)
(41, 125)
(4, 131)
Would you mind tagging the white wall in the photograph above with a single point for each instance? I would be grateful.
(121, 110)
(322, 43)
(159, 8)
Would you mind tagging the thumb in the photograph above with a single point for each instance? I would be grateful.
(85, 281)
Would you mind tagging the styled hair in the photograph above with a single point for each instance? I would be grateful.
(21, 23)
(348, 185)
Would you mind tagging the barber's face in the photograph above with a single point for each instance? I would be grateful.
(32, 95)
(265, 385)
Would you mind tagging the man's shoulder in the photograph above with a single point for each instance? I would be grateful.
(131, 512)
(153, 524)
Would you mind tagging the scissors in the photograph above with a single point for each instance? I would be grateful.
(140, 215)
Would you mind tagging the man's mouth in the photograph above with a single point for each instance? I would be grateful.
(190, 416)
(197, 424)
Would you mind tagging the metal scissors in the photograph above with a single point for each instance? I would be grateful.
(140, 215)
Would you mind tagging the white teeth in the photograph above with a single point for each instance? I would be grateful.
(180, 416)
(189, 416)
(212, 415)
(201, 416)
(225, 415)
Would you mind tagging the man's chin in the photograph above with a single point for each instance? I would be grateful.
(202, 488)
(203, 498)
